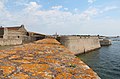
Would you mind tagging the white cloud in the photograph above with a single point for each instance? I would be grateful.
(1, 5)
(91, 1)
(21, 2)
(32, 6)
(76, 9)
(4, 14)
(89, 13)
(102, 27)
(52, 20)
(57, 7)
(44, 20)
(108, 8)
(65, 8)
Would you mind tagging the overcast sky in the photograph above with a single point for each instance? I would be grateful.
(63, 16)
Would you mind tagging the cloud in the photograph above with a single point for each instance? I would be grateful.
(2, 5)
(108, 8)
(32, 6)
(57, 7)
(87, 14)
(99, 27)
(76, 9)
(91, 1)
(21, 2)
(51, 20)
(91, 11)
(65, 8)
(4, 14)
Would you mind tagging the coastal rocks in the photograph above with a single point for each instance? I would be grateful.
(43, 59)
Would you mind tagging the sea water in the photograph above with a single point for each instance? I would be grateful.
(105, 61)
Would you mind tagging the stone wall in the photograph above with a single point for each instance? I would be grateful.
(14, 34)
(105, 42)
(43, 59)
(1, 31)
(80, 44)
(10, 42)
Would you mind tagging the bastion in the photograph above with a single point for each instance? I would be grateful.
(43, 59)
(80, 44)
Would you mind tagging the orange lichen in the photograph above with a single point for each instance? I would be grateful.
(52, 61)
(35, 68)
(59, 69)
(64, 76)
(49, 57)
(1, 61)
(10, 52)
(39, 52)
(7, 69)
(28, 58)
(46, 75)
(41, 60)
(44, 59)
(14, 57)
(21, 61)
(31, 55)
(48, 41)
(3, 55)
(19, 76)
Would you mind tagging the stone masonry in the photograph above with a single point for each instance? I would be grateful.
(43, 59)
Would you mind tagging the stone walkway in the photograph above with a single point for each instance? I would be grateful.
(43, 59)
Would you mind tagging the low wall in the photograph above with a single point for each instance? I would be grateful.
(10, 42)
(80, 44)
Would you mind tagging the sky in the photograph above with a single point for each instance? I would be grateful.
(66, 17)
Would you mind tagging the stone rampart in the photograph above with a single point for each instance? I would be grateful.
(44, 59)
(80, 44)
(10, 41)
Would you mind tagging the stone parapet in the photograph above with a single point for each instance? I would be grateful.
(43, 59)
(10, 41)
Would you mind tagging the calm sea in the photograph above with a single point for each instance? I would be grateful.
(105, 61)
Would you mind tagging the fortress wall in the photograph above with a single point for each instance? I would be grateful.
(80, 44)
(44, 59)
(10, 42)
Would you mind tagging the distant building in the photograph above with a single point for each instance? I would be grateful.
(18, 33)
(55, 35)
